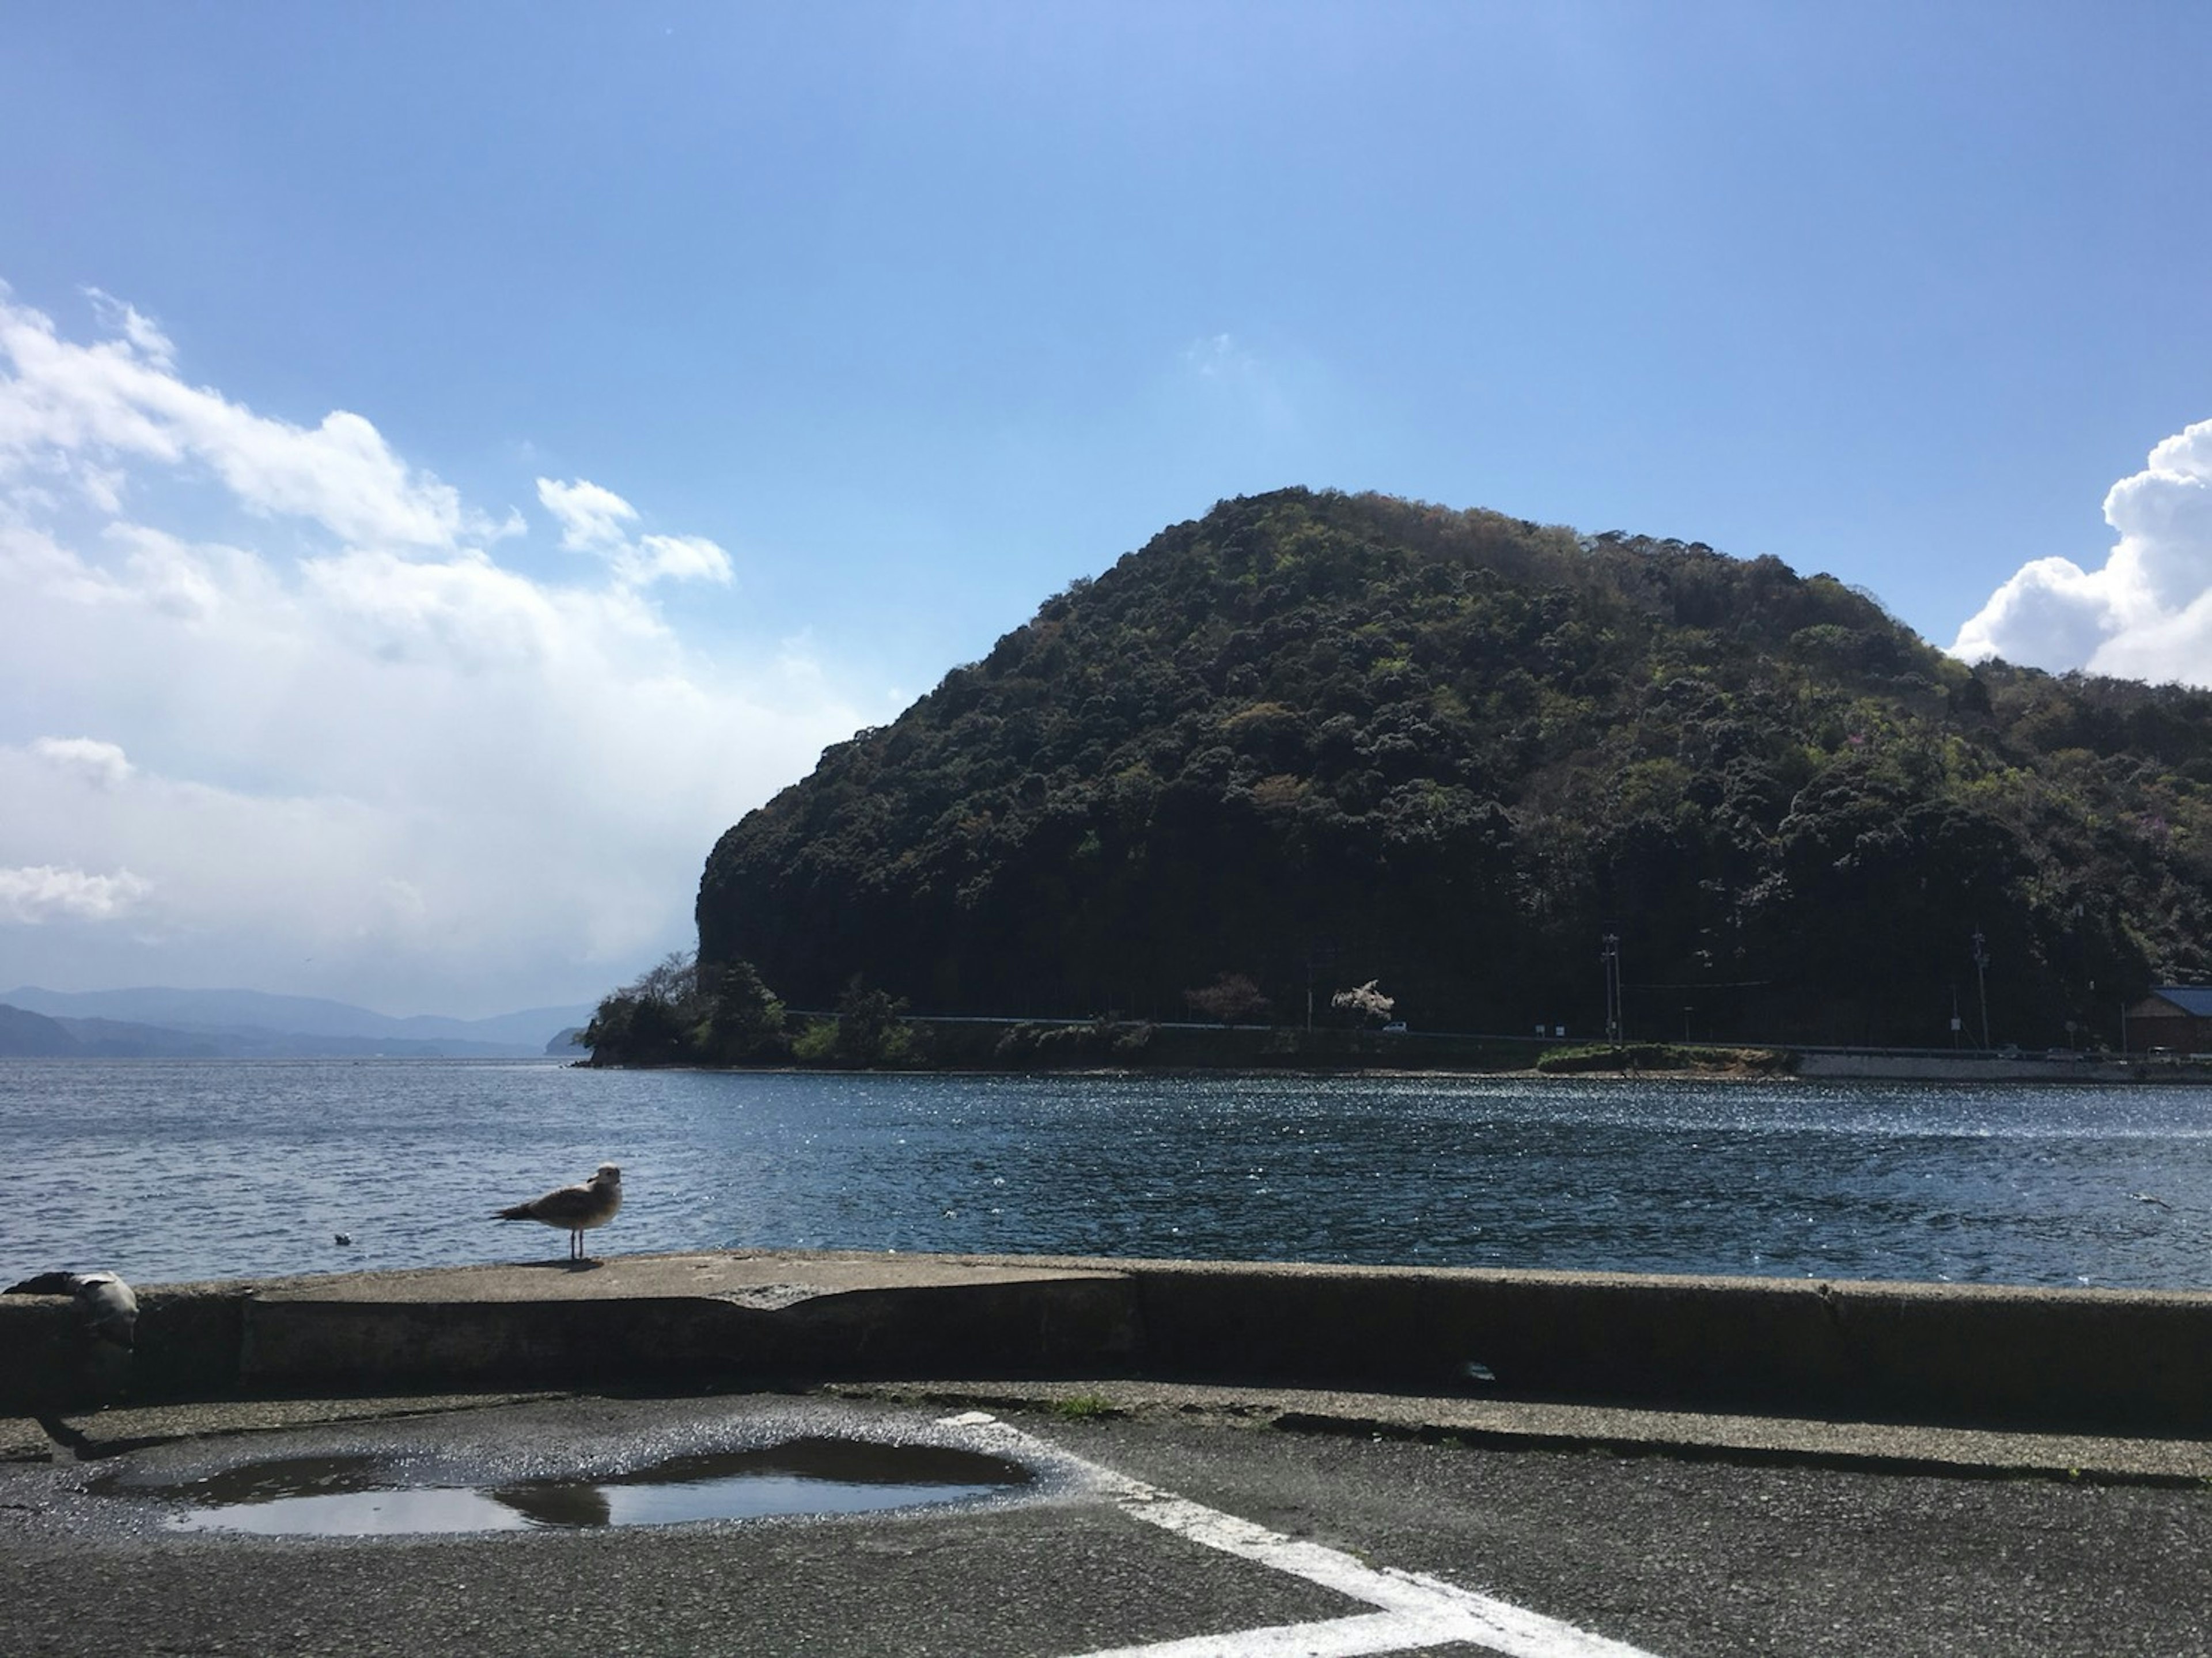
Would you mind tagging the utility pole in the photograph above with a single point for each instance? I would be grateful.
(1611, 956)
(1320, 953)
(1981, 982)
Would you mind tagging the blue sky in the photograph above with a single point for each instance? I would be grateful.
(453, 460)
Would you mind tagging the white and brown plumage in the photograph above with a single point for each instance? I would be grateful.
(576, 1208)
(108, 1306)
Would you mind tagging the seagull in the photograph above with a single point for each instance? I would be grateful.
(575, 1207)
(108, 1306)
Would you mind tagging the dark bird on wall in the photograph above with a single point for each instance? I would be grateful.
(107, 1305)
(99, 1366)
(575, 1208)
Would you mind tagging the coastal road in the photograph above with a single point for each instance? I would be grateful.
(1165, 1533)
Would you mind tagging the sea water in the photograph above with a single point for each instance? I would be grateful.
(173, 1170)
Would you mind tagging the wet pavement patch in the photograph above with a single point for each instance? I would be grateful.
(356, 1496)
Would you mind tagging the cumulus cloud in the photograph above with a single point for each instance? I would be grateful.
(81, 412)
(674, 558)
(593, 520)
(143, 333)
(2146, 613)
(31, 896)
(349, 751)
(590, 518)
(103, 765)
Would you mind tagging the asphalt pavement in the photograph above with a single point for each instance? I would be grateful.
(1173, 1522)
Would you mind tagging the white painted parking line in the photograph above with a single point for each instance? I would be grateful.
(1415, 1611)
(1359, 1636)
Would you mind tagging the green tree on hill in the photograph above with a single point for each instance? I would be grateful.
(1463, 747)
(677, 1012)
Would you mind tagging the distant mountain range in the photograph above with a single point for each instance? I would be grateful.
(156, 1022)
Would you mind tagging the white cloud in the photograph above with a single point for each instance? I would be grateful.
(2146, 613)
(2049, 613)
(143, 333)
(31, 896)
(677, 558)
(592, 521)
(83, 411)
(103, 765)
(358, 756)
(1247, 393)
(590, 518)
(1220, 357)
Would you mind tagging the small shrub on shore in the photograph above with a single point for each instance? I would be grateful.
(1663, 1056)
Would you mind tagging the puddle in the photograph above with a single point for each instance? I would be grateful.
(355, 1496)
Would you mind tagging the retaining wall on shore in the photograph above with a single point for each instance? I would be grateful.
(2090, 1359)
(1873, 1066)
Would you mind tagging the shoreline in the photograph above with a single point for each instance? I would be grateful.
(1811, 1068)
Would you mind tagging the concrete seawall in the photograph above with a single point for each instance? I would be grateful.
(2131, 1361)
(1875, 1067)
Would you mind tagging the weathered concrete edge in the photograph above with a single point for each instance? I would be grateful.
(2102, 1361)
(1079, 1405)
(1515, 1425)
(2124, 1360)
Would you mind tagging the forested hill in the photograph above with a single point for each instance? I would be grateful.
(1318, 739)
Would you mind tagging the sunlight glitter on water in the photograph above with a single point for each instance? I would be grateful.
(166, 1171)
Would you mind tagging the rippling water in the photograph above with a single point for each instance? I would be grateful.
(166, 1171)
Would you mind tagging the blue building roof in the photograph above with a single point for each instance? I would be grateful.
(2195, 1000)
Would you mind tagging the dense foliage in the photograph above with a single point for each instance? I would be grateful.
(679, 1012)
(1315, 740)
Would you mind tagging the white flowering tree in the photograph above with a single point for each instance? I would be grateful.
(1366, 1000)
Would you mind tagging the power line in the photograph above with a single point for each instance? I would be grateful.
(1706, 984)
